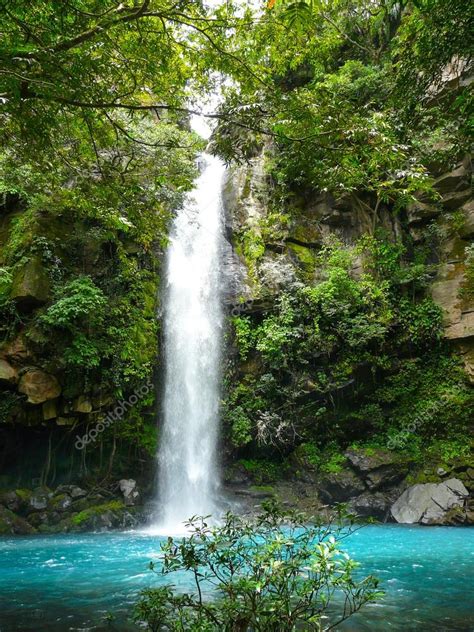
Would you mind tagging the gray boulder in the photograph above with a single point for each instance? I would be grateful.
(429, 503)
(128, 487)
(39, 499)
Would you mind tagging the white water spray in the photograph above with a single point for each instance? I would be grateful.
(187, 460)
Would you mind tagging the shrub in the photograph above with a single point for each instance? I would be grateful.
(278, 573)
(79, 299)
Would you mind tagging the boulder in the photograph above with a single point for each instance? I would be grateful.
(39, 386)
(17, 500)
(82, 404)
(59, 503)
(339, 487)
(17, 351)
(30, 285)
(452, 201)
(429, 503)
(74, 491)
(49, 410)
(445, 292)
(462, 329)
(128, 487)
(368, 460)
(8, 374)
(42, 518)
(378, 468)
(11, 500)
(421, 211)
(236, 474)
(453, 181)
(11, 524)
(371, 505)
(39, 499)
(110, 515)
(467, 229)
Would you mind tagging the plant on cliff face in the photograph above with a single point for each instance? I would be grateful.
(79, 300)
(279, 572)
(321, 338)
(78, 312)
(244, 335)
(467, 289)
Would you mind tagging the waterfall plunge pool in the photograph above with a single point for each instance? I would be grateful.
(71, 582)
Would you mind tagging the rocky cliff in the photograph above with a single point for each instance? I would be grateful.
(276, 248)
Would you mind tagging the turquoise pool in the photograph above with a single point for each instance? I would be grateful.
(71, 582)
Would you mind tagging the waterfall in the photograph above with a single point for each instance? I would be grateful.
(187, 460)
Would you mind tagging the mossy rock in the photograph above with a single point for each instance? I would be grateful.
(61, 503)
(109, 515)
(306, 257)
(11, 524)
(263, 491)
(84, 516)
(30, 285)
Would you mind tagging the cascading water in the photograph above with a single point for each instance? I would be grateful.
(187, 463)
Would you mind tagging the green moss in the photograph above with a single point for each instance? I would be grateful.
(24, 494)
(267, 489)
(97, 510)
(251, 247)
(306, 256)
(333, 463)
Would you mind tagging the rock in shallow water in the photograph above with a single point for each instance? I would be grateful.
(429, 503)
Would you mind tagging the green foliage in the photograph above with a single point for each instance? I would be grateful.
(430, 391)
(78, 300)
(334, 463)
(244, 335)
(318, 339)
(9, 316)
(261, 471)
(79, 311)
(241, 432)
(420, 323)
(329, 460)
(278, 572)
(70, 67)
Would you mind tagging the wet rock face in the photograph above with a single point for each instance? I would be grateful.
(430, 503)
